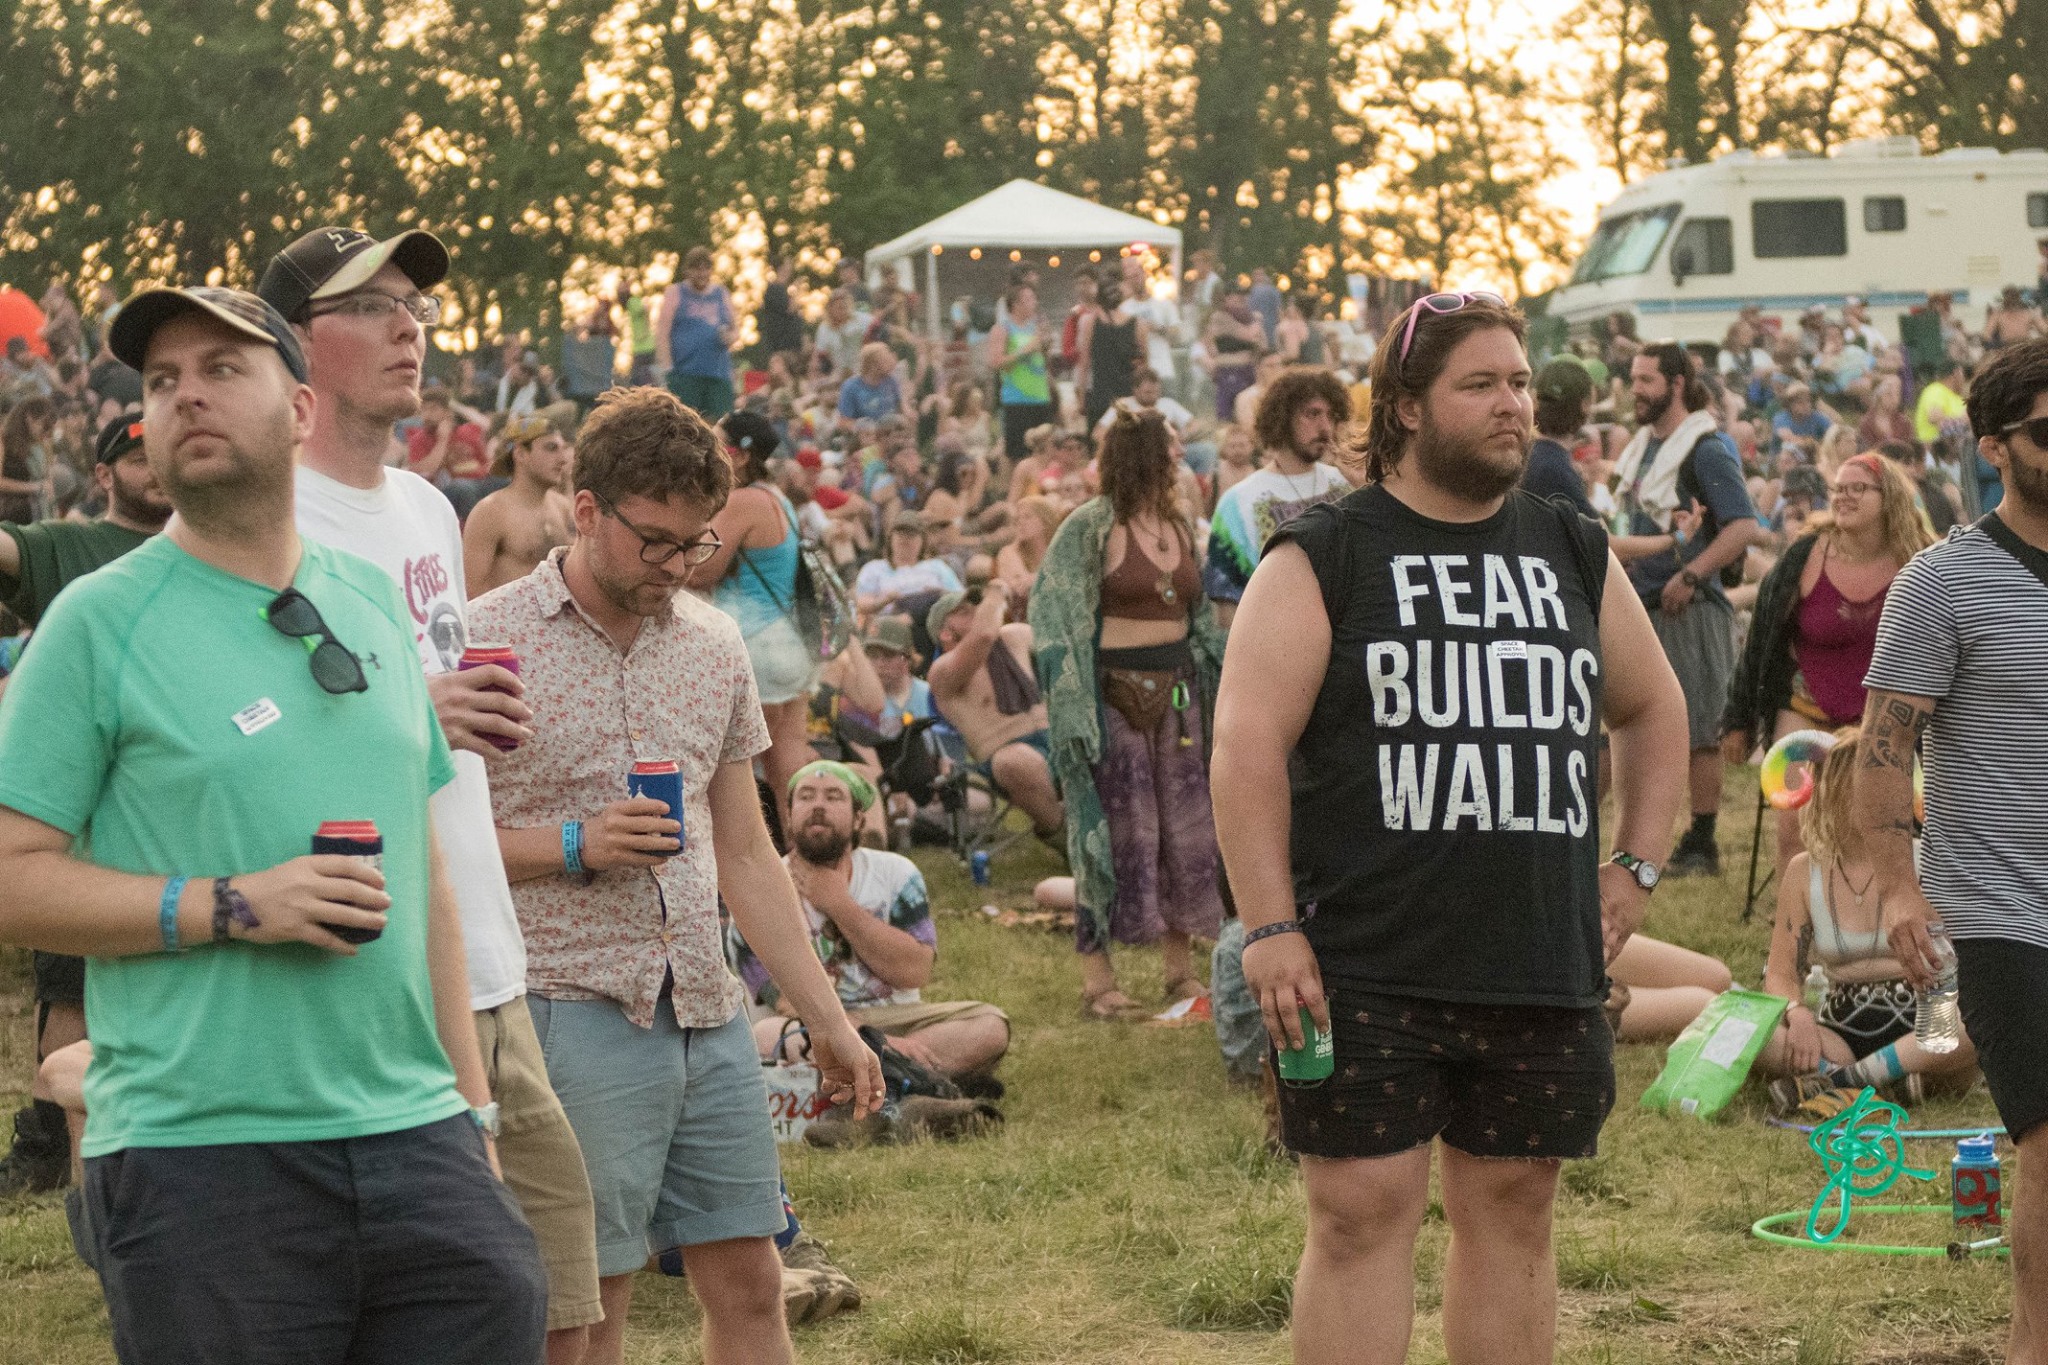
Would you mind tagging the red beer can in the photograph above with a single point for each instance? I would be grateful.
(476, 656)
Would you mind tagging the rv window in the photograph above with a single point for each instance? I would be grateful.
(1704, 246)
(2037, 210)
(1884, 213)
(1799, 227)
(1625, 245)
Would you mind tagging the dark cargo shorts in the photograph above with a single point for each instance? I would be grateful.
(1490, 1080)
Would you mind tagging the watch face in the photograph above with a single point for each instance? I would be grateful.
(1646, 876)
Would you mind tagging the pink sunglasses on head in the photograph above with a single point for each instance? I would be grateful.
(1443, 303)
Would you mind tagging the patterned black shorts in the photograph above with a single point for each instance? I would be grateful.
(1491, 1080)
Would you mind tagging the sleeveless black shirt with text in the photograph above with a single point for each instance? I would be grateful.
(1446, 838)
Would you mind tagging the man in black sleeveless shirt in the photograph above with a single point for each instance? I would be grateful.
(1407, 736)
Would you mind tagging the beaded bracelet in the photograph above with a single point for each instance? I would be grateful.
(1283, 926)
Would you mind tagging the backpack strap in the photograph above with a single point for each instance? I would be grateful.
(788, 609)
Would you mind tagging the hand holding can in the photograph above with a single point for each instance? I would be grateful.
(501, 656)
(356, 839)
(659, 780)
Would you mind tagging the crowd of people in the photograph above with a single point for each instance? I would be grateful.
(1320, 641)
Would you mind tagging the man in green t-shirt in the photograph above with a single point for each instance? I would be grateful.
(283, 1036)
(36, 561)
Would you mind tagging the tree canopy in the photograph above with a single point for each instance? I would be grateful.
(191, 138)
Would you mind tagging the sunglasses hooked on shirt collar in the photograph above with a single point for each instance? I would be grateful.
(334, 667)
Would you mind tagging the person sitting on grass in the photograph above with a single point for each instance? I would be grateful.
(1659, 988)
(871, 923)
(1828, 913)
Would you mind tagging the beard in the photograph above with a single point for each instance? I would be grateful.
(821, 844)
(2027, 484)
(1651, 413)
(227, 497)
(131, 505)
(1466, 468)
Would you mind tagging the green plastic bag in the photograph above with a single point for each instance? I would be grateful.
(1710, 1060)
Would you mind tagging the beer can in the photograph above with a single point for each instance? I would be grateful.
(351, 839)
(978, 866)
(662, 780)
(476, 656)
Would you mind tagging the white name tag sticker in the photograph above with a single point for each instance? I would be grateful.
(1510, 649)
(256, 715)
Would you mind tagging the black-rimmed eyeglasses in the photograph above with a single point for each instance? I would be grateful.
(334, 667)
(659, 549)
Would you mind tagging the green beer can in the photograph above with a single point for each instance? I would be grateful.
(1314, 1061)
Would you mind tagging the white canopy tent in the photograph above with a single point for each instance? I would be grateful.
(1019, 216)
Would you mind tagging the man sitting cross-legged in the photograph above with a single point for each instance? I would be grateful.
(871, 922)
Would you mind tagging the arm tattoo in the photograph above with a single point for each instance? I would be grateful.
(1802, 959)
(1892, 732)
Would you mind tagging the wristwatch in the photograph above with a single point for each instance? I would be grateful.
(486, 1117)
(1646, 874)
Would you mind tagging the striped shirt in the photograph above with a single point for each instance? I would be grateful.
(1966, 624)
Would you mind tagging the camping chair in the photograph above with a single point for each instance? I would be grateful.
(968, 834)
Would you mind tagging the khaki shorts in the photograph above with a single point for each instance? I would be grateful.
(542, 1163)
(905, 1021)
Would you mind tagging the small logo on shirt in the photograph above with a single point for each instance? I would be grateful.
(256, 715)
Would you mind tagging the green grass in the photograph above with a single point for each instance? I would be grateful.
(1127, 1213)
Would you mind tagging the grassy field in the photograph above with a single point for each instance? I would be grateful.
(1127, 1212)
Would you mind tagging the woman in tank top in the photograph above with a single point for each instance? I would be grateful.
(1128, 652)
(1830, 914)
(1109, 351)
(752, 579)
(1816, 618)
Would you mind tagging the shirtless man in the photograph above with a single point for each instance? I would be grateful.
(514, 528)
(1014, 744)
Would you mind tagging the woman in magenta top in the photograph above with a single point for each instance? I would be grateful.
(1815, 625)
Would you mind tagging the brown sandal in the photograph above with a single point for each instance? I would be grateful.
(1189, 987)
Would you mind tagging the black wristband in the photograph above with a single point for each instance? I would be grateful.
(1282, 926)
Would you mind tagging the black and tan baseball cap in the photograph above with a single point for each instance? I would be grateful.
(333, 260)
(119, 436)
(139, 318)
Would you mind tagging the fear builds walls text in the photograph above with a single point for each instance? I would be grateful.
(1470, 719)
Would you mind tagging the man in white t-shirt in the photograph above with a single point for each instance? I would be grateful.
(1296, 425)
(1148, 394)
(358, 308)
(1162, 318)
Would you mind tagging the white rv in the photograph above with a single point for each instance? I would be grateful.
(1685, 249)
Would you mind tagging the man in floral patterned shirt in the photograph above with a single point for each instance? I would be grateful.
(646, 1040)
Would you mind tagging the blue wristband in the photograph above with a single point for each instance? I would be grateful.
(572, 847)
(167, 913)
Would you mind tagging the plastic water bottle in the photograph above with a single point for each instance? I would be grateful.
(1937, 1022)
(1816, 987)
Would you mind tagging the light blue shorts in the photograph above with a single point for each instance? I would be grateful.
(673, 1123)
